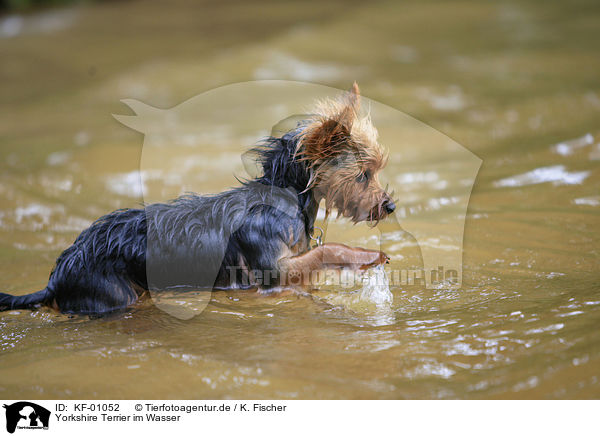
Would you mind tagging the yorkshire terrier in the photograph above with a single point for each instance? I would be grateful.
(221, 241)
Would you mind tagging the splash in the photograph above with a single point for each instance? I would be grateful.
(373, 294)
(376, 288)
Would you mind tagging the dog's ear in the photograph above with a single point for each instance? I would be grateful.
(350, 109)
(329, 137)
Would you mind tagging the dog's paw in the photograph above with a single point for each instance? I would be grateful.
(384, 258)
(378, 258)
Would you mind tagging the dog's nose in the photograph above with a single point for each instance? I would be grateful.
(389, 206)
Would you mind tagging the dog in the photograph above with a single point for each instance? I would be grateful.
(219, 241)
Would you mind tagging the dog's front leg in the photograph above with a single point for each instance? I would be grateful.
(329, 256)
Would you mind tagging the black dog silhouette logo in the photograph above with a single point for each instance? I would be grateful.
(26, 415)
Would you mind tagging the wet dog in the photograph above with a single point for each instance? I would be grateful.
(254, 236)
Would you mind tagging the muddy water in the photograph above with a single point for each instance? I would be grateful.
(516, 83)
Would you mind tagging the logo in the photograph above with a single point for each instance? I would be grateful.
(26, 415)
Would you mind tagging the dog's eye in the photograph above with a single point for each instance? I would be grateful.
(363, 177)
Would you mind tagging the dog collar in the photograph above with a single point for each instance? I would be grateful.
(317, 239)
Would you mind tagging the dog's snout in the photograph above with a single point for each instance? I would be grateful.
(389, 206)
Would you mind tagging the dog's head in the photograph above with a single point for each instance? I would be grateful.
(344, 159)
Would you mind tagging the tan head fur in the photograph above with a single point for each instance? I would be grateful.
(344, 158)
